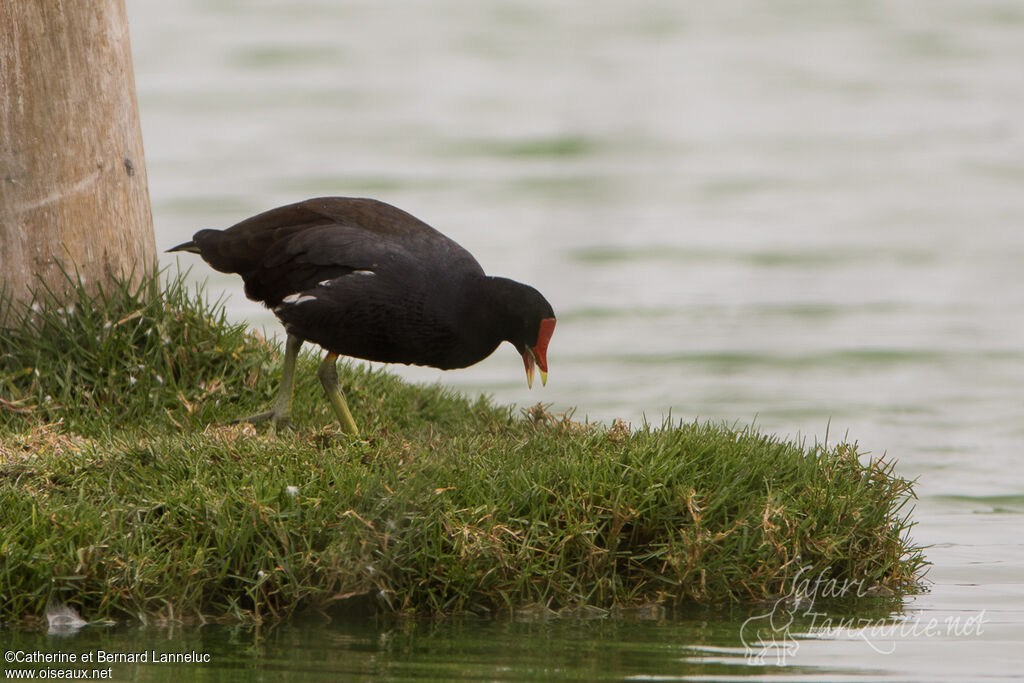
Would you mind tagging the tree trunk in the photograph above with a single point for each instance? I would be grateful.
(73, 193)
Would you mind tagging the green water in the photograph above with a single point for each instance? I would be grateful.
(696, 643)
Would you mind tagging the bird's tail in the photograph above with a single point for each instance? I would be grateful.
(189, 246)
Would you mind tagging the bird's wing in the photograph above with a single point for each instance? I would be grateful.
(360, 232)
(293, 248)
(309, 257)
(299, 260)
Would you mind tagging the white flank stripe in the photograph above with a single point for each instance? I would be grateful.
(297, 298)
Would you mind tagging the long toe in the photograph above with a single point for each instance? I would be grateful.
(276, 420)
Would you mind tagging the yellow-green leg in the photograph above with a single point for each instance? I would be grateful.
(280, 414)
(328, 374)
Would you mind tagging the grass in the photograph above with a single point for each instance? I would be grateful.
(126, 493)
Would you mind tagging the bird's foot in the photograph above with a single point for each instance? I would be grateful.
(276, 419)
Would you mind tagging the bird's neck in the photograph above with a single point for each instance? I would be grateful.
(489, 311)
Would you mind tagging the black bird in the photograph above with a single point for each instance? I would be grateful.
(365, 279)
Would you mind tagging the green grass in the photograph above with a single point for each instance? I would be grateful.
(126, 493)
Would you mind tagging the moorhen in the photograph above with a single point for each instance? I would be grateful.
(365, 279)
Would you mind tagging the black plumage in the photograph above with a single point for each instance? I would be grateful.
(365, 279)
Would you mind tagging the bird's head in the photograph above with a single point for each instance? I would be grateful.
(535, 325)
(523, 317)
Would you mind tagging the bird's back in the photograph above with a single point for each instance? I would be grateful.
(292, 248)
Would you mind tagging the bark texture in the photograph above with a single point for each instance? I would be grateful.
(73, 192)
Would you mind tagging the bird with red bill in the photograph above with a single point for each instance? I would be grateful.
(365, 279)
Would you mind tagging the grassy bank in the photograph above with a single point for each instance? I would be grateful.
(125, 493)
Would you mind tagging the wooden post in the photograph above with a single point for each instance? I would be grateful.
(73, 191)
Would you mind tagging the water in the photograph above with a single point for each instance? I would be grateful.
(450, 650)
(804, 214)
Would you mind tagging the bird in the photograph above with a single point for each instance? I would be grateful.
(364, 279)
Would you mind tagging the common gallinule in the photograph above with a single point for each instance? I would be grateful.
(365, 279)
